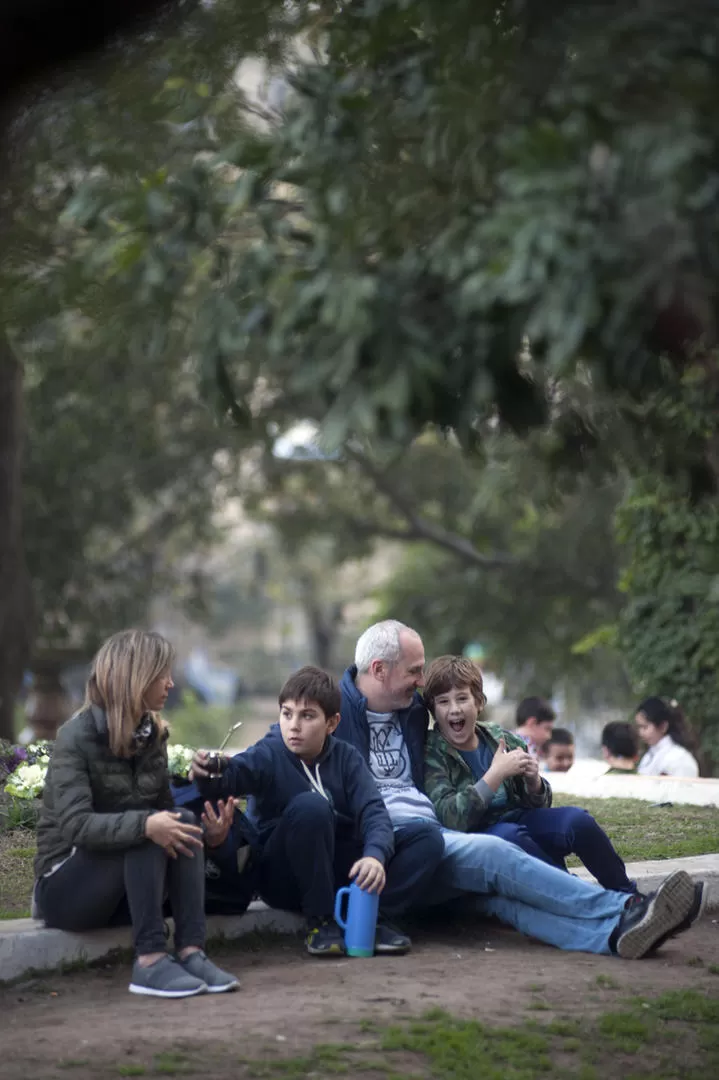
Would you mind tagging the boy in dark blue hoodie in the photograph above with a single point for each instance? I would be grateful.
(321, 819)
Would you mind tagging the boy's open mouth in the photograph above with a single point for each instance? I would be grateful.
(457, 725)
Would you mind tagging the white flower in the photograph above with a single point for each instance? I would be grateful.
(27, 781)
(179, 759)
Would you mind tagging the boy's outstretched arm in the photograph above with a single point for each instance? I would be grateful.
(242, 774)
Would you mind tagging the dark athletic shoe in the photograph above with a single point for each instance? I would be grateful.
(217, 980)
(695, 912)
(646, 920)
(166, 979)
(324, 938)
(390, 941)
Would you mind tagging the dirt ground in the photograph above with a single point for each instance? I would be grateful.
(85, 1024)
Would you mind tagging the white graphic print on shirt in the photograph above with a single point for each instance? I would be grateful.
(391, 768)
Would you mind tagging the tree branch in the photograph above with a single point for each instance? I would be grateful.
(419, 528)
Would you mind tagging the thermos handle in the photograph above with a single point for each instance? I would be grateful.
(341, 893)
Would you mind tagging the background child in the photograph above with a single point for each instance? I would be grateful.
(482, 779)
(620, 747)
(558, 755)
(670, 742)
(534, 722)
(322, 820)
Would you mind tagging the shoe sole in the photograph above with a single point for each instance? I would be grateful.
(224, 989)
(333, 951)
(392, 950)
(670, 906)
(147, 991)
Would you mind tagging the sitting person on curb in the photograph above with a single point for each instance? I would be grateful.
(109, 837)
(231, 850)
(384, 717)
(558, 752)
(321, 820)
(620, 747)
(481, 778)
(534, 723)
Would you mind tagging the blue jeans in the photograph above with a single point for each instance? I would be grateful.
(531, 895)
(552, 834)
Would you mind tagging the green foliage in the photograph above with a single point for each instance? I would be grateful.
(461, 219)
(198, 725)
(669, 625)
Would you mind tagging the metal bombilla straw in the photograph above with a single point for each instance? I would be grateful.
(229, 735)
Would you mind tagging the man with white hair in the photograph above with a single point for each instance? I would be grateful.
(383, 715)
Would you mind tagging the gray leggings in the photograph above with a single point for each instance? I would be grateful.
(89, 888)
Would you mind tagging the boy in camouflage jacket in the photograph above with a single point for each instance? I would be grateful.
(481, 778)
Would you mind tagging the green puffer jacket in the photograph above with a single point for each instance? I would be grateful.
(94, 799)
(461, 802)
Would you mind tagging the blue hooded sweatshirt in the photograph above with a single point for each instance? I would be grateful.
(273, 775)
(353, 727)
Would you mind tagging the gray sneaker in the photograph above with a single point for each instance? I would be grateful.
(216, 980)
(165, 979)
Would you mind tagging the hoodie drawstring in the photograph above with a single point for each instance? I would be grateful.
(316, 781)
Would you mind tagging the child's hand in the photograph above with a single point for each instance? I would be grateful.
(369, 874)
(510, 762)
(505, 764)
(217, 825)
(207, 763)
(532, 779)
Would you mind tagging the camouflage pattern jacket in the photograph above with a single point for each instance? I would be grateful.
(461, 802)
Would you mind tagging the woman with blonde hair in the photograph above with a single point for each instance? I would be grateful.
(108, 832)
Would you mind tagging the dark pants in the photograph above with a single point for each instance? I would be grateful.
(91, 888)
(308, 857)
(552, 834)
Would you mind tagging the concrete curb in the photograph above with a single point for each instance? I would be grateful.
(27, 945)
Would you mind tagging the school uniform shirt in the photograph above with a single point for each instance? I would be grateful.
(667, 758)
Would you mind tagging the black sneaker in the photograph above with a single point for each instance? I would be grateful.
(324, 938)
(647, 919)
(695, 912)
(390, 941)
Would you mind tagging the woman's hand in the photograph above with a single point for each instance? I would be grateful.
(168, 831)
(369, 874)
(218, 825)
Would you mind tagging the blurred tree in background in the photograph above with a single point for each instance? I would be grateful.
(448, 228)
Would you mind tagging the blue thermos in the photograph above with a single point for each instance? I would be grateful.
(361, 922)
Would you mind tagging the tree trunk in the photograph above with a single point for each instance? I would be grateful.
(14, 586)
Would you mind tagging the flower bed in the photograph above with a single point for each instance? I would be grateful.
(22, 779)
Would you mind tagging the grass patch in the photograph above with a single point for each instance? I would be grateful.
(672, 1037)
(17, 852)
(606, 982)
(641, 831)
